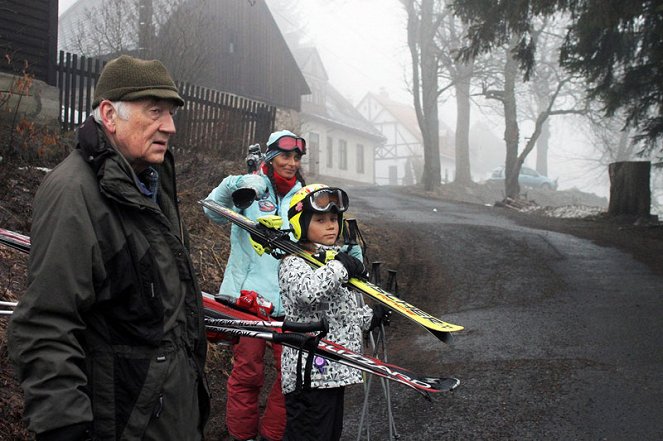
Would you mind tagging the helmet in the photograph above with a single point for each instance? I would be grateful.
(315, 198)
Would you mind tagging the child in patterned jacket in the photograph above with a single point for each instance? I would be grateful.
(316, 218)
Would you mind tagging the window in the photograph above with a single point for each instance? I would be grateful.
(313, 148)
(342, 154)
(360, 158)
(528, 171)
(330, 152)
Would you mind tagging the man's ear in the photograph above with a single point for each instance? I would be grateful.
(108, 115)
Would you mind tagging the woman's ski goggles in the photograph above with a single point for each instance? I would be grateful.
(289, 143)
(324, 199)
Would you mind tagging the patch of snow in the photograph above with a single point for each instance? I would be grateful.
(44, 169)
(566, 211)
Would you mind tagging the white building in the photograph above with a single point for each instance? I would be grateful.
(400, 160)
(341, 142)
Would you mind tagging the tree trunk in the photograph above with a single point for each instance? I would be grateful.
(542, 145)
(145, 27)
(432, 177)
(463, 174)
(630, 194)
(511, 131)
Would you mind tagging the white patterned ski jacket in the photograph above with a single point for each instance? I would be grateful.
(308, 295)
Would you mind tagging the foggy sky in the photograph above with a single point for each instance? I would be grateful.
(363, 45)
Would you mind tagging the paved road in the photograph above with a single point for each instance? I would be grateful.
(562, 340)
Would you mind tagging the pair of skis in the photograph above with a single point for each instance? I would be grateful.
(222, 319)
(278, 243)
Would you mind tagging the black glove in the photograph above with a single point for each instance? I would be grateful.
(381, 315)
(354, 266)
(243, 197)
(74, 432)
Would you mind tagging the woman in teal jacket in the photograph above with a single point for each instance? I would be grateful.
(274, 184)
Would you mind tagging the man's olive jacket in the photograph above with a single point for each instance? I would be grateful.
(111, 329)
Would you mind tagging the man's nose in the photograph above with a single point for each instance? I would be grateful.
(168, 124)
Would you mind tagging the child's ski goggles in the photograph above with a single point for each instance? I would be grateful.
(289, 143)
(324, 199)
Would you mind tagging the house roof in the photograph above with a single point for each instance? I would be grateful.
(309, 61)
(332, 107)
(338, 111)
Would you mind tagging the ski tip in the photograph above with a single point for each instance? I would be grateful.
(445, 337)
(439, 385)
(446, 384)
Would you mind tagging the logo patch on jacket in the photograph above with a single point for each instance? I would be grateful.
(265, 205)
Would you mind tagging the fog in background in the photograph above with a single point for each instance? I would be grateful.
(363, 45)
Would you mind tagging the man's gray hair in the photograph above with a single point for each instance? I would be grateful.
(120, 107)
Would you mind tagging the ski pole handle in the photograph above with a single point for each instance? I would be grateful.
(320, 326)
(350, 233)
(296, 340)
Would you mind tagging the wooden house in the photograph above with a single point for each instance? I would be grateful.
(28, 38)
(226, 45)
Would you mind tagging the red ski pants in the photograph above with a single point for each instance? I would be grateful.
(244, 384)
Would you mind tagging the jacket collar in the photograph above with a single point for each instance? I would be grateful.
(116, 177)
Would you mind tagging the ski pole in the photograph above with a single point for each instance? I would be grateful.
(7, 311)
(320, 326)
(376, 345)
(393, 433)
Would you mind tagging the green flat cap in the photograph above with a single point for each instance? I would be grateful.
(129, 79)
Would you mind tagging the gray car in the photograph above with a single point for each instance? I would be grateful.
(528, 178)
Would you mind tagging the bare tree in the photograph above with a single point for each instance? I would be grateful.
(553, 100)
(457, 74)
(421, 28)
(174, 31)
(107, 28)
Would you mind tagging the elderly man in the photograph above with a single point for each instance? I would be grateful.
(108, 342)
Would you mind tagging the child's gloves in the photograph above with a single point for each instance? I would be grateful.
(381, 315)
(354, 266)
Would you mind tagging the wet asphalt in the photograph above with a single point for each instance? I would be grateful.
(562, 337)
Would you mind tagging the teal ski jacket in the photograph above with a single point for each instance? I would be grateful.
(246, 270)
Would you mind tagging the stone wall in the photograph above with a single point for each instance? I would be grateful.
(39, 102)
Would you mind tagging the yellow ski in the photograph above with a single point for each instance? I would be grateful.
(267, 237)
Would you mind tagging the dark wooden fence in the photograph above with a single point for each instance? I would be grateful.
(210, 119)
